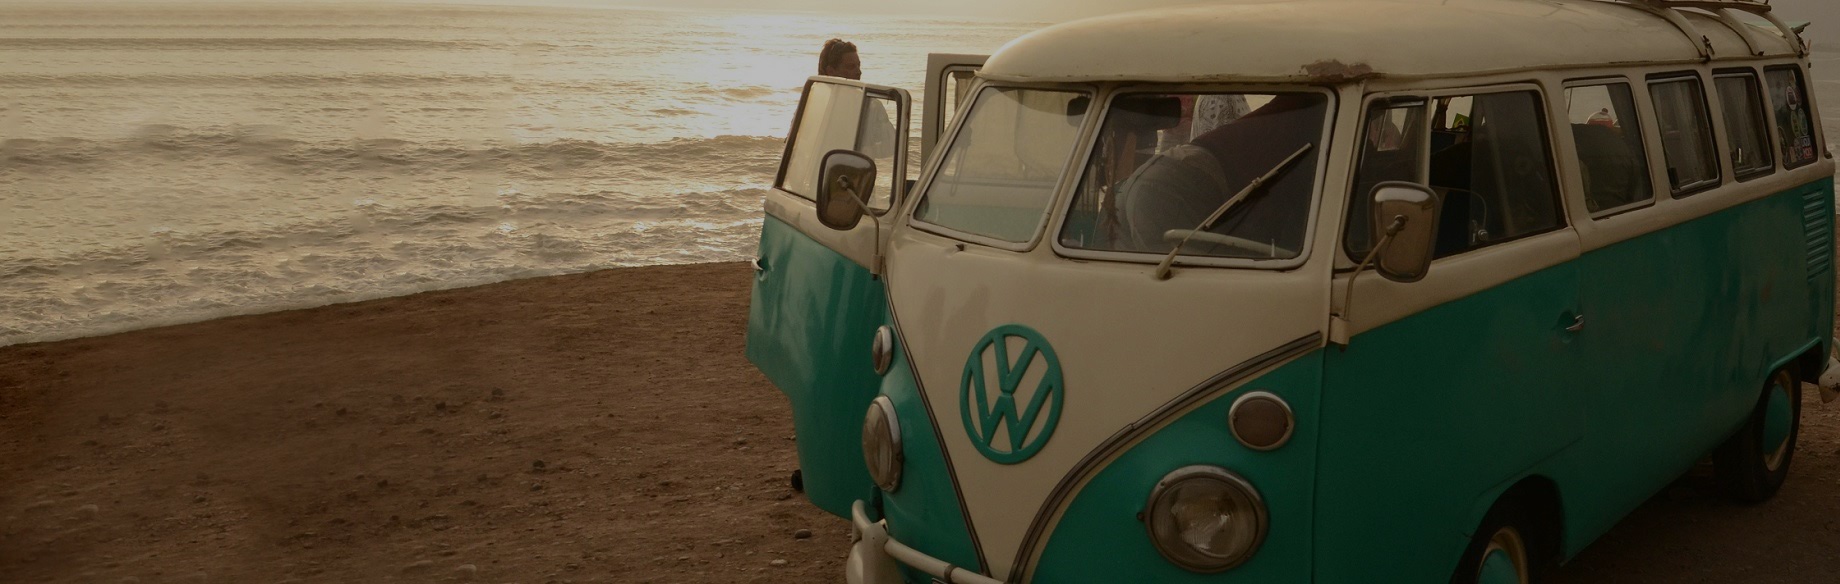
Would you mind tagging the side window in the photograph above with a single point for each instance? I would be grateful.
(1490, 164)
(1794, 124)
(957, 83)
(1741, 107)
(878, 139)
(823, 125)
(1686, 134)
(1389, 152)
(1608, 134)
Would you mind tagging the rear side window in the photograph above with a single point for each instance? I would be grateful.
(1794, 124)
(1741, 107)
(1490, 164)
(1686, 134)
(1611, 157)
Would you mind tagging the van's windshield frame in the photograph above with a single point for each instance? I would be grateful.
(1320, 153)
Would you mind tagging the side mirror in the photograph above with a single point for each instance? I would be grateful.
(1406, 216)
(844, 185)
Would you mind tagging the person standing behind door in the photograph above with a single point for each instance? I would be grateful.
(839, 59)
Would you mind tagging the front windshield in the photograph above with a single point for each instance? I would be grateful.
(1166, 161)
(1004, 163)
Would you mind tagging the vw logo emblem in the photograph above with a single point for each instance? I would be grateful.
(1011, 393)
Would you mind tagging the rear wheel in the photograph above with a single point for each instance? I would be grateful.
(1753, 463)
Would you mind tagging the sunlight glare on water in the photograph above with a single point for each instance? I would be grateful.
(171, 163)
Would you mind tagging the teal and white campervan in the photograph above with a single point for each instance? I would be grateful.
(1338, 291)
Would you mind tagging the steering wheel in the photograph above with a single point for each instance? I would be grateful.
(1256, 249)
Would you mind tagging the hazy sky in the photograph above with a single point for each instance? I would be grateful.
(1825, 13)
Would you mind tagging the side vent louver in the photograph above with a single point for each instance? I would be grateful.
(1817, 225)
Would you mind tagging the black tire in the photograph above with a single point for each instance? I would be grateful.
(1744, 470)
(1509, 525)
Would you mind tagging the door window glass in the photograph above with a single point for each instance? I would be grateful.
(828, 121)
(957, 89)
(1165, 163)
(1794, 123)
(1686, 134)
(1003, 165)
(1608, 134)
(1490, 164)
(1389, 152)
(879, 139)
(1748, 139)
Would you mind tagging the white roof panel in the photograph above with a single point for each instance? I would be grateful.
(1334, 40)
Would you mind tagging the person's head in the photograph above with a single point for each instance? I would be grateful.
(838, 59)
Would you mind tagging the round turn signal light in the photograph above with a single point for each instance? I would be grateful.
(1261, 421)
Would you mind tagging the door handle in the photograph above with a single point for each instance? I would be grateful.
(1577, 324)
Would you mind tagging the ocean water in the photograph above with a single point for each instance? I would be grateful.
(173, 163)
(166, 163)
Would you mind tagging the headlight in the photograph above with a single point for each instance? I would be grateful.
(1205, 518)
(881, 441)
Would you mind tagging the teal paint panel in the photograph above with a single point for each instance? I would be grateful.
(1101, 539)
(924, 512)
(1685, 324)
(811, 320)
(1426, 418)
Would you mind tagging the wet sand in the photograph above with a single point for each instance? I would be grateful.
(600, 427)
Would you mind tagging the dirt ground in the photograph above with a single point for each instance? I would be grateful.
(598, 427)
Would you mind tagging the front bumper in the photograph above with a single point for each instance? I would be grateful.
(874, 557)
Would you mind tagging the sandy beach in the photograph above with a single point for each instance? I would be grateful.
(598, 427)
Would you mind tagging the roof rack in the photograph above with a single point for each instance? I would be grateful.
(1725, 10)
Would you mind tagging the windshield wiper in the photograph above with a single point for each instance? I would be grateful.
(1163, 269)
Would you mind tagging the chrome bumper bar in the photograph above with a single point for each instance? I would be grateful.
(873, 555)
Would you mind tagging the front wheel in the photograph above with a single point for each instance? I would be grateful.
(1753, 463)
(1501, 552)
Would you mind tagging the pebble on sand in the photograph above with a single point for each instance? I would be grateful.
(777, 563)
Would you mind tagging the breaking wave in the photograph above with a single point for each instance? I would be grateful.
(234, 44)
(721, 155)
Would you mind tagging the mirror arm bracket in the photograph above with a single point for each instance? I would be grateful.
(875, 262)
(1340, 323)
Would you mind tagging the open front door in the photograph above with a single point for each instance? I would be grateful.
(816, 300)
(948, 86)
